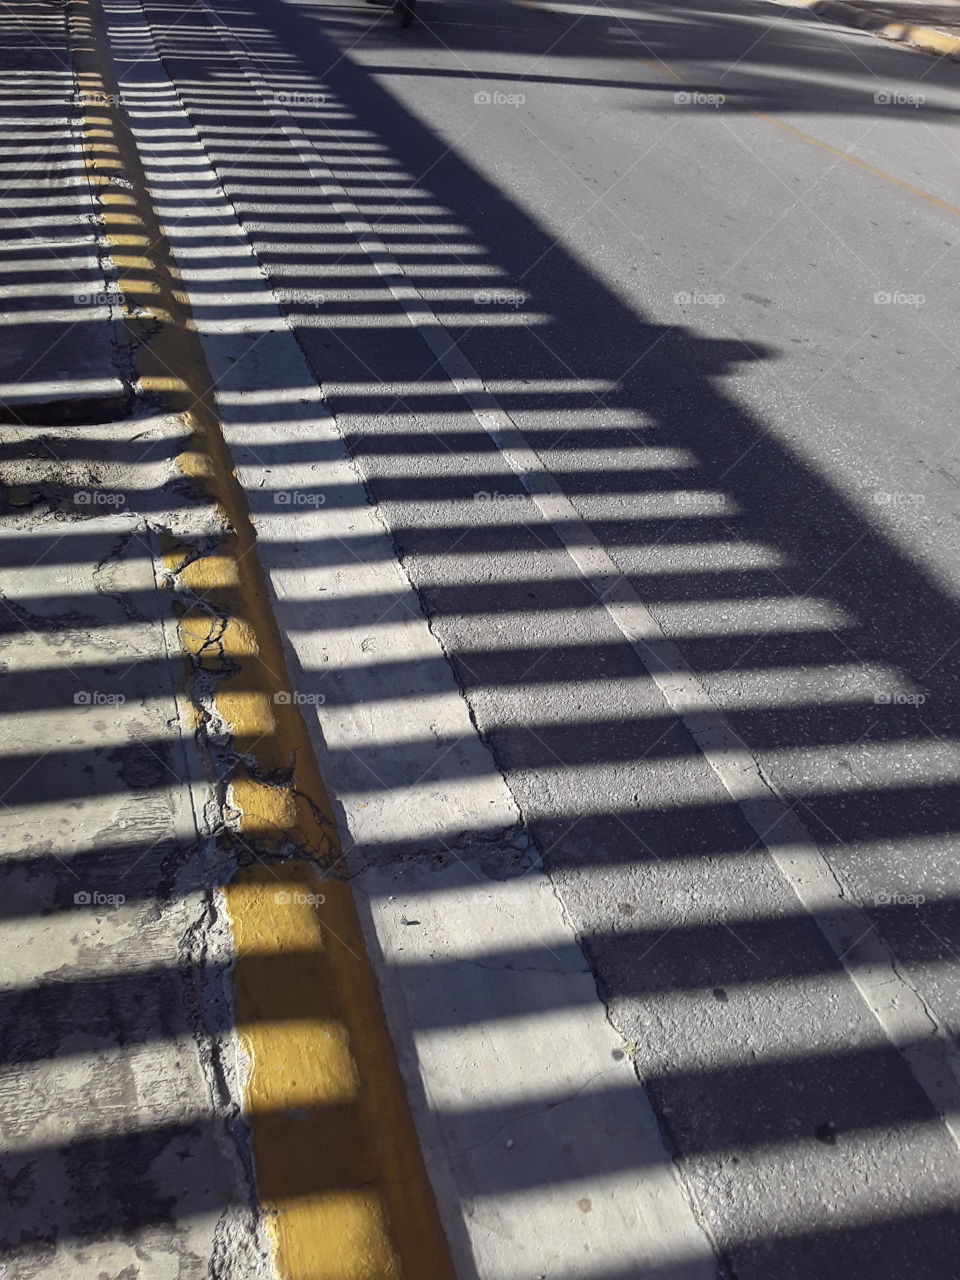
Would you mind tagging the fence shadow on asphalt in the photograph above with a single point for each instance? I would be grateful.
(780, 589)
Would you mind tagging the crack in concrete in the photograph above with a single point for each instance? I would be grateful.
(538, 1111)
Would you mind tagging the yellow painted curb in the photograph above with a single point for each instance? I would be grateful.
(930, 39)
(324, 1079)
(338, 1166)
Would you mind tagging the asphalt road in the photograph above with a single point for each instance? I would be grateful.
(705, 262)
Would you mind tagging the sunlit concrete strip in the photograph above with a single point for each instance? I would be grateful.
(486, 503)
(47, 658)
(474, 569)
(53, 317)
(441, 387)
(805, 617)
(39, 265)
(34, 950)
(538, 1204)
(73, 725)
(76, 1080)
(754, 691)
(375, 772)
(49, 389)
(366, 320)
(553, 629)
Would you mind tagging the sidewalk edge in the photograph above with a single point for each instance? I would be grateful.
(928, 39)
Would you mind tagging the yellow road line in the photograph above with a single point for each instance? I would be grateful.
(664, 69)
(338, 1165)
(859, 164)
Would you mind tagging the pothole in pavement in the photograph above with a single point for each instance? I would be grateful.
(92, 470)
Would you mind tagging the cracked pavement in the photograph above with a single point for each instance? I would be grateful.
(124, 1147)
(589, 373)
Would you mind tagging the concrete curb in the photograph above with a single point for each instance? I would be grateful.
(929, 39)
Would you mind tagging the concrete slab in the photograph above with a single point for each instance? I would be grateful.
(118, 1073)
(529, 1094)
(60, 312)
